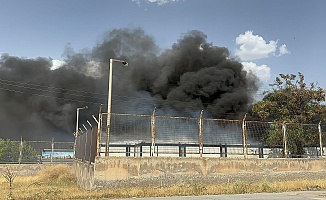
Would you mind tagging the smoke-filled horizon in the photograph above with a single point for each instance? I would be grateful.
(39, 102)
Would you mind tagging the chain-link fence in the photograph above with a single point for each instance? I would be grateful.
(86, 143)
(150, 135)
(35, 151)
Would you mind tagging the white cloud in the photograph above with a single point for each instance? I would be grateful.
(283, 50)
(263, 72)
(161, 2)
(254, 47)
(158, 2)
(57, 64)
(93, 68)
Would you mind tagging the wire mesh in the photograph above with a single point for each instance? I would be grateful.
(131, 135)
(35, 151)
(257, 139)
(221, 136)
(218, 131)
(302, 140)
(257, 131)
(129, 129)
(86, 146)
(176, 130)
(179, 137)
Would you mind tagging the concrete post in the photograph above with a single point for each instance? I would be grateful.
(285, 143)
(153, 133)
(200, 134)
(244, 137)
(320, 141)
(99, 128)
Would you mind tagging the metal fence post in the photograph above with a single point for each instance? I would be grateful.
(141, 149)
(261, 151)
(226, 150)
(200, 134)
(244, 137)
(52, 149)
(320, 140)
(20, 150)
(127, 150)
(107, 142)
(223, 150)
(85, 151)
(99, 128)
(153, 133)
(90, 146)
(285, 143)
(182, 150)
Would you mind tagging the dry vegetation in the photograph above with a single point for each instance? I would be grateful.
(57, 182)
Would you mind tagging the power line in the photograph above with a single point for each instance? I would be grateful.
(72, 92)
(47, 96)
(32, 86)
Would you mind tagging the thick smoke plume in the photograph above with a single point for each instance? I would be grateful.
(38, 102)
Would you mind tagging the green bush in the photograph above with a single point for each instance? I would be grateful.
(9, 152)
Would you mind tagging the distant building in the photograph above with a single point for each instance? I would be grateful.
(58, 153)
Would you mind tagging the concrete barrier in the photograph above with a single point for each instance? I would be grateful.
(119, 168)
(84, 173)
(166, 171)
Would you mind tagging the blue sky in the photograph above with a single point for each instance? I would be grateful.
(270, 37)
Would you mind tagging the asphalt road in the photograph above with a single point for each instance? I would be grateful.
(299, 195)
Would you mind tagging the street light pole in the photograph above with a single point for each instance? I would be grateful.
(108, 121)
(76, 133)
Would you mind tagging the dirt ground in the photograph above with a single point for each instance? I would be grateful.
(298, 195)
(184, 180)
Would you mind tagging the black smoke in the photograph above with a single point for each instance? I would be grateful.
(39, 102)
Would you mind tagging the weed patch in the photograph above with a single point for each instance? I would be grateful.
(59, 174)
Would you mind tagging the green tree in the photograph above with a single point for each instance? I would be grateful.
(293, 102)
(9, 152)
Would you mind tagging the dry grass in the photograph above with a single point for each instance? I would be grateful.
(57, 182)
(58, 174)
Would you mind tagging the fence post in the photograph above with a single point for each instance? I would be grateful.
(200, 133)
(127, 150)
(320, 140)
(261, 151)
(153, 133)
(285, 143)
(85, 151)
(182, 150)
(141, 149)
(244, 137)
(226, 150)
(223, 150)
(90, 146)
(107, 142)
(20, 150)
(99, 128)
(52, 149)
